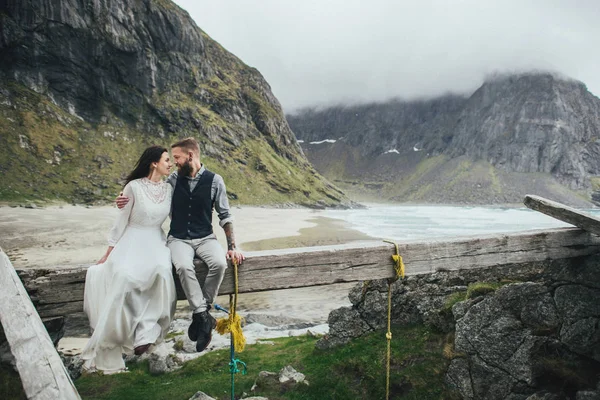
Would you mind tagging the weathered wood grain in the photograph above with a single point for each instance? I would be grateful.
(564, 213)
(42, 372)
(59, 291)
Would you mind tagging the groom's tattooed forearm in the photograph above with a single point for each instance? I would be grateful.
(228, 228)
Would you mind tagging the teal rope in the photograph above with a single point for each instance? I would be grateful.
(233, 364)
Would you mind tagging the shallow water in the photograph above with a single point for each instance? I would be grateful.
(422, 222)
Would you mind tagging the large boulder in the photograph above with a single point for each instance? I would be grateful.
(527, 341)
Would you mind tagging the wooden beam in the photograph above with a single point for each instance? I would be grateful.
(564, 213)
(42, 372)
(59, 291)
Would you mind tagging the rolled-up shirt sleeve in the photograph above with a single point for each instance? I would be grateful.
(172, 179)
(122, 217)
(221, 202)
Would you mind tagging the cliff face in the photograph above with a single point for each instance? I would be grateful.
(515, 134)
(533, 123)
(86, 84)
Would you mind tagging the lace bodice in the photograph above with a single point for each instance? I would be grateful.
(149, 205)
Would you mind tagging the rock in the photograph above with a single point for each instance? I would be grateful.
(543, 396)
(55, 327)
(459, 377)
(73, 364)
(460, 309)
(201, 396)
(588, 395)
(287, 378)
(266, 381)
(513, 339)
(347, 323)
(159, 364)
(288, 375)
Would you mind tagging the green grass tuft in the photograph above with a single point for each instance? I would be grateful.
(452, 299)
(482, 288)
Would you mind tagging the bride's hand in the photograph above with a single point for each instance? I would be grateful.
(105, 256)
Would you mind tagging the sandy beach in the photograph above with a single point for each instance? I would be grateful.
(76, 235)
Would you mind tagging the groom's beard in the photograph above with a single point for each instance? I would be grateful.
(185, 169)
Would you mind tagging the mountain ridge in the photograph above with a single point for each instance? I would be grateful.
(531, 130)
(85, 86)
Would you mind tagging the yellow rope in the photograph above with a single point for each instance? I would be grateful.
(399, 269)
(398, 263)
(233, 323)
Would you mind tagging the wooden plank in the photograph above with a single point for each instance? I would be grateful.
(293, 268)
(42, 372)
(564, 213)
(321, 266)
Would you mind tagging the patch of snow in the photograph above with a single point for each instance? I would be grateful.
(324, 141)
(415, 148)
(392, 151)
(300, 141)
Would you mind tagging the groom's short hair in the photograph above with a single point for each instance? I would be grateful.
(189, 144)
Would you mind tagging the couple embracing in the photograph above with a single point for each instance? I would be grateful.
(130, 294)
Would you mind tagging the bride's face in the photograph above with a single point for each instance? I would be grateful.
(163, 167)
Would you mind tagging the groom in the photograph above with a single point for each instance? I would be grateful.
(196, 191)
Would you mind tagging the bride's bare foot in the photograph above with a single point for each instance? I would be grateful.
(139, 350)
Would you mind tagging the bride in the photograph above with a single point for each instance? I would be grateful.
(130, 294)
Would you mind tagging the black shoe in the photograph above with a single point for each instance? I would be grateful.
(201, 328)
(193, 328)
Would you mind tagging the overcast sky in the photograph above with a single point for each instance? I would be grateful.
(321, 52)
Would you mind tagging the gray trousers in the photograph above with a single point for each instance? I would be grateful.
(208, 250)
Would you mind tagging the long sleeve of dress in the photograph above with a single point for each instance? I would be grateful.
(122, 217)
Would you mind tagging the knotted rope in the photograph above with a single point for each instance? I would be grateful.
(399, 269)
(233, 325)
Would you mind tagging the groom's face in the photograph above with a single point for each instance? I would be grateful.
(182, 159)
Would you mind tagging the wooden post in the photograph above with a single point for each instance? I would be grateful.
(42, 372)
(564, 213)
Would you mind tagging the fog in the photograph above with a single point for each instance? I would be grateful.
(347, 51)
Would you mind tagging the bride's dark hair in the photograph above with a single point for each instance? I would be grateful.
(142, 167)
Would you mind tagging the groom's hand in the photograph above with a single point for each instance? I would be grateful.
(235, 255)
(121, 200)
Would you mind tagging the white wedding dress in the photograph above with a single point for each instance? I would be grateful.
(130, 299)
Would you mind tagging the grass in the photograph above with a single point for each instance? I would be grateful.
(10, 385)
(477, 289)
(454, 298)
(354, 371)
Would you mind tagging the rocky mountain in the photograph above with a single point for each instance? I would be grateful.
(516, 134)
(85, 85)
